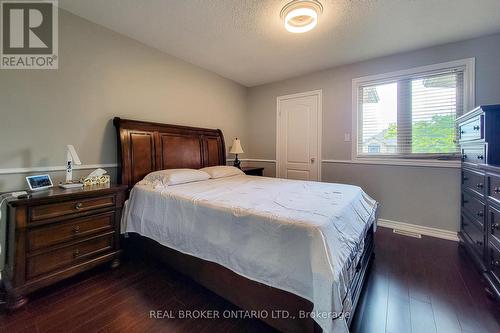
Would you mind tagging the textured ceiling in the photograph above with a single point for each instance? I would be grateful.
(245, 40)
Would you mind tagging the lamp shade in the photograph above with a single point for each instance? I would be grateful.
(236, 147)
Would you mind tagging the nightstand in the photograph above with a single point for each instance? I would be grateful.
(253, 171)
(58, 233)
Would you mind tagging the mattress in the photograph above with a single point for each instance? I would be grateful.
(297, 236)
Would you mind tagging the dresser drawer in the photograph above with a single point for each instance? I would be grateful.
(473, 181)
(494, 261)
(66, 256)
(42, 212)
(474, 154)
(472, 129)
(493, 190)
(473, 206)
(77, 228)
(494, 224)
(474, 232)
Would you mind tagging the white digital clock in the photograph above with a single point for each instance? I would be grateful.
(39, 182)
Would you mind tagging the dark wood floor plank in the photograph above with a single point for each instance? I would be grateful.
(438, 263)
(450, 286)
(93, 318)
(422, 317)
(398, 315)
(414, 285)
(68, 312)
(373, 303)
(50, 303)
(418, 271)
(398, 304)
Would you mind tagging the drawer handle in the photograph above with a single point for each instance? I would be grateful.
(465, 201)
(476, 128)
(494, 226)
(480, 214)
(495, 263)
(497, 190)
(480, 185)
(76, 253)
(78, 206)
(462, 132)
(76, 229)
(480, 157)
(464, 157)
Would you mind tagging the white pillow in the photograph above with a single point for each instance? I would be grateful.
(176, 176)
(222, 171)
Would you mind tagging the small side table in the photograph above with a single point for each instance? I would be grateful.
(251, 171)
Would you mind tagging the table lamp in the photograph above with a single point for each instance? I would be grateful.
(71, 158)
(236, 149)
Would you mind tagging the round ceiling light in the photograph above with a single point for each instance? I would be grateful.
(301, 15)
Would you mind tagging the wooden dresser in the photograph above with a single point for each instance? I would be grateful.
(479, 139)
(58, 233)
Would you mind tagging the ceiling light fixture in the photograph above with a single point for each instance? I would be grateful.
(301, 15)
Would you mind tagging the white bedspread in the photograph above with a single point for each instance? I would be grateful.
(297, 236)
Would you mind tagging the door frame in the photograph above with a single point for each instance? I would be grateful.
(279, 99)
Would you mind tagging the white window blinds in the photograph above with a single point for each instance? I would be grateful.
(411, 116)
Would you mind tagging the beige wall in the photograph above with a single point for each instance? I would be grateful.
(102, 75)
(417, 195)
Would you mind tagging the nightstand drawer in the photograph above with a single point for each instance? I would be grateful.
(47, 236)
(66, 256)
(43, 212)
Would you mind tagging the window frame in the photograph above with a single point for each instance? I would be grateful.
(468, 65)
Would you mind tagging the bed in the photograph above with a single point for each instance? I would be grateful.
(276, 246)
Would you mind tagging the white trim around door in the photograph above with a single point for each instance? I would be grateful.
(279, 99)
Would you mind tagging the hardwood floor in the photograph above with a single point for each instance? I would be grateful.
(423, 285)
(415, 285)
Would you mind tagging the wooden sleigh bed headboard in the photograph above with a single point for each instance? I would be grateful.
(144, 147)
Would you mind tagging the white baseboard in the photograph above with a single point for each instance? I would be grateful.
(418, 229)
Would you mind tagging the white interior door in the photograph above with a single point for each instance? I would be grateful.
(299, 136)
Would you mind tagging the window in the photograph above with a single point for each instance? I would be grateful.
(411, 114)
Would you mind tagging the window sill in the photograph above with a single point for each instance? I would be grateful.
(454, 164)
